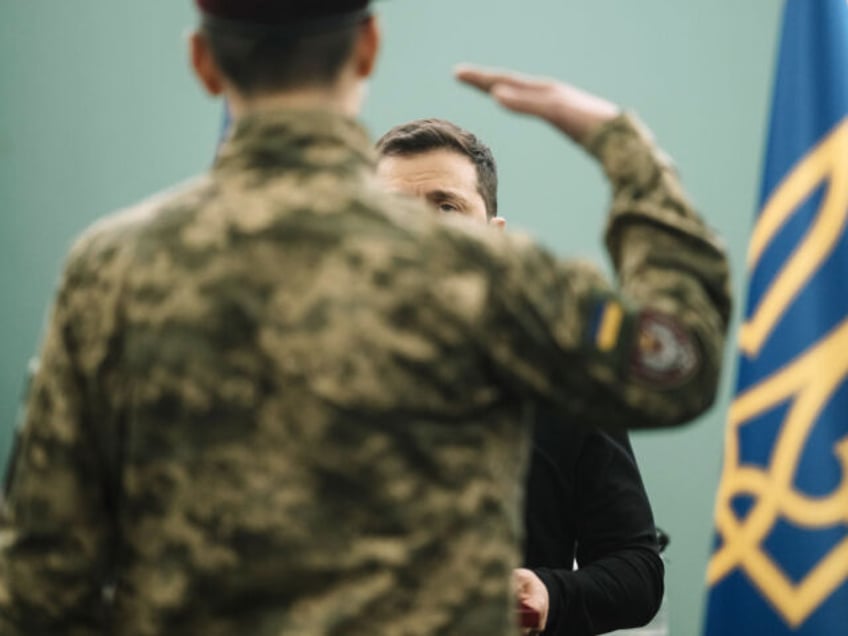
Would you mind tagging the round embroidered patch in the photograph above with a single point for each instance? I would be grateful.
(665, 354)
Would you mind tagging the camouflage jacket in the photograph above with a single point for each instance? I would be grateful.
(282, 401)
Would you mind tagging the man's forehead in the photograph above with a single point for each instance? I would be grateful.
(442, 177)
(452, 168)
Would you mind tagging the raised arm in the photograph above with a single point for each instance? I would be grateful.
(646, 352)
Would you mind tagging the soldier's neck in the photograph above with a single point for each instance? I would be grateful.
(345, 101)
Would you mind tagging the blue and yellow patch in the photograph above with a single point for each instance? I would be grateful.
(650, 347)
(605, 326)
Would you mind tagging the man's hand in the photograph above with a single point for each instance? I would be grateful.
(573, 111)
(531, 591)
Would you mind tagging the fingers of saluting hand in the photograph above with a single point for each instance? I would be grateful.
(486, 79)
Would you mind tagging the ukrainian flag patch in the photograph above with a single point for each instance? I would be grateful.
(605, 326)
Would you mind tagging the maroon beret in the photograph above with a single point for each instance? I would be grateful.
(279, 12)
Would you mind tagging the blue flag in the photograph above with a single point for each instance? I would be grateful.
(780, 564)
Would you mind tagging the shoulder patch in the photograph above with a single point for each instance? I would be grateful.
(605, 326)
(664, 354)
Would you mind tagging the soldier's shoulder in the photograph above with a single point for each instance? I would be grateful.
(120, 229)
(402, 211)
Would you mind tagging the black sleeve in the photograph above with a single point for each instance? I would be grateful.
(619, 582)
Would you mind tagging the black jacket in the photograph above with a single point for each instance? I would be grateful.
(586, 500)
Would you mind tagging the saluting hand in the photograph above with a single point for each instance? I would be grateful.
(572, 110)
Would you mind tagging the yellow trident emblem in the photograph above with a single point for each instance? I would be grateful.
(806, 385)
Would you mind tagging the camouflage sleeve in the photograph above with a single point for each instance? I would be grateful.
(647, 352)
(53, 525)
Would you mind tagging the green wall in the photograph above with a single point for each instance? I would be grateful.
(97, 109)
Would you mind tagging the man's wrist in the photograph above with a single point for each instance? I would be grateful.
(547, 576)
(578, 114)
(627, 151)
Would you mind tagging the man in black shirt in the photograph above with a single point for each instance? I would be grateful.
(585, 500)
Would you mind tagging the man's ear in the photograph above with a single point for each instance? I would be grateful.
(204, 65)
(498, 222)
(367, 47)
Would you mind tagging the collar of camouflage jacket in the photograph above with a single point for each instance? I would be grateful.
(296, 139)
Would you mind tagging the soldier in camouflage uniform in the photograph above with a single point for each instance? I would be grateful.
(280, 400)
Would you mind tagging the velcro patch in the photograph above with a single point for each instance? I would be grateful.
(664, 353)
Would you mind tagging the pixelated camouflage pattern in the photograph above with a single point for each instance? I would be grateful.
(281, 401)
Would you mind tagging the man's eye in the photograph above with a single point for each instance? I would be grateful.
(448, 208)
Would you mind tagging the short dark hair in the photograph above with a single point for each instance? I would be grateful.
(267, 63)
(423, 135)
